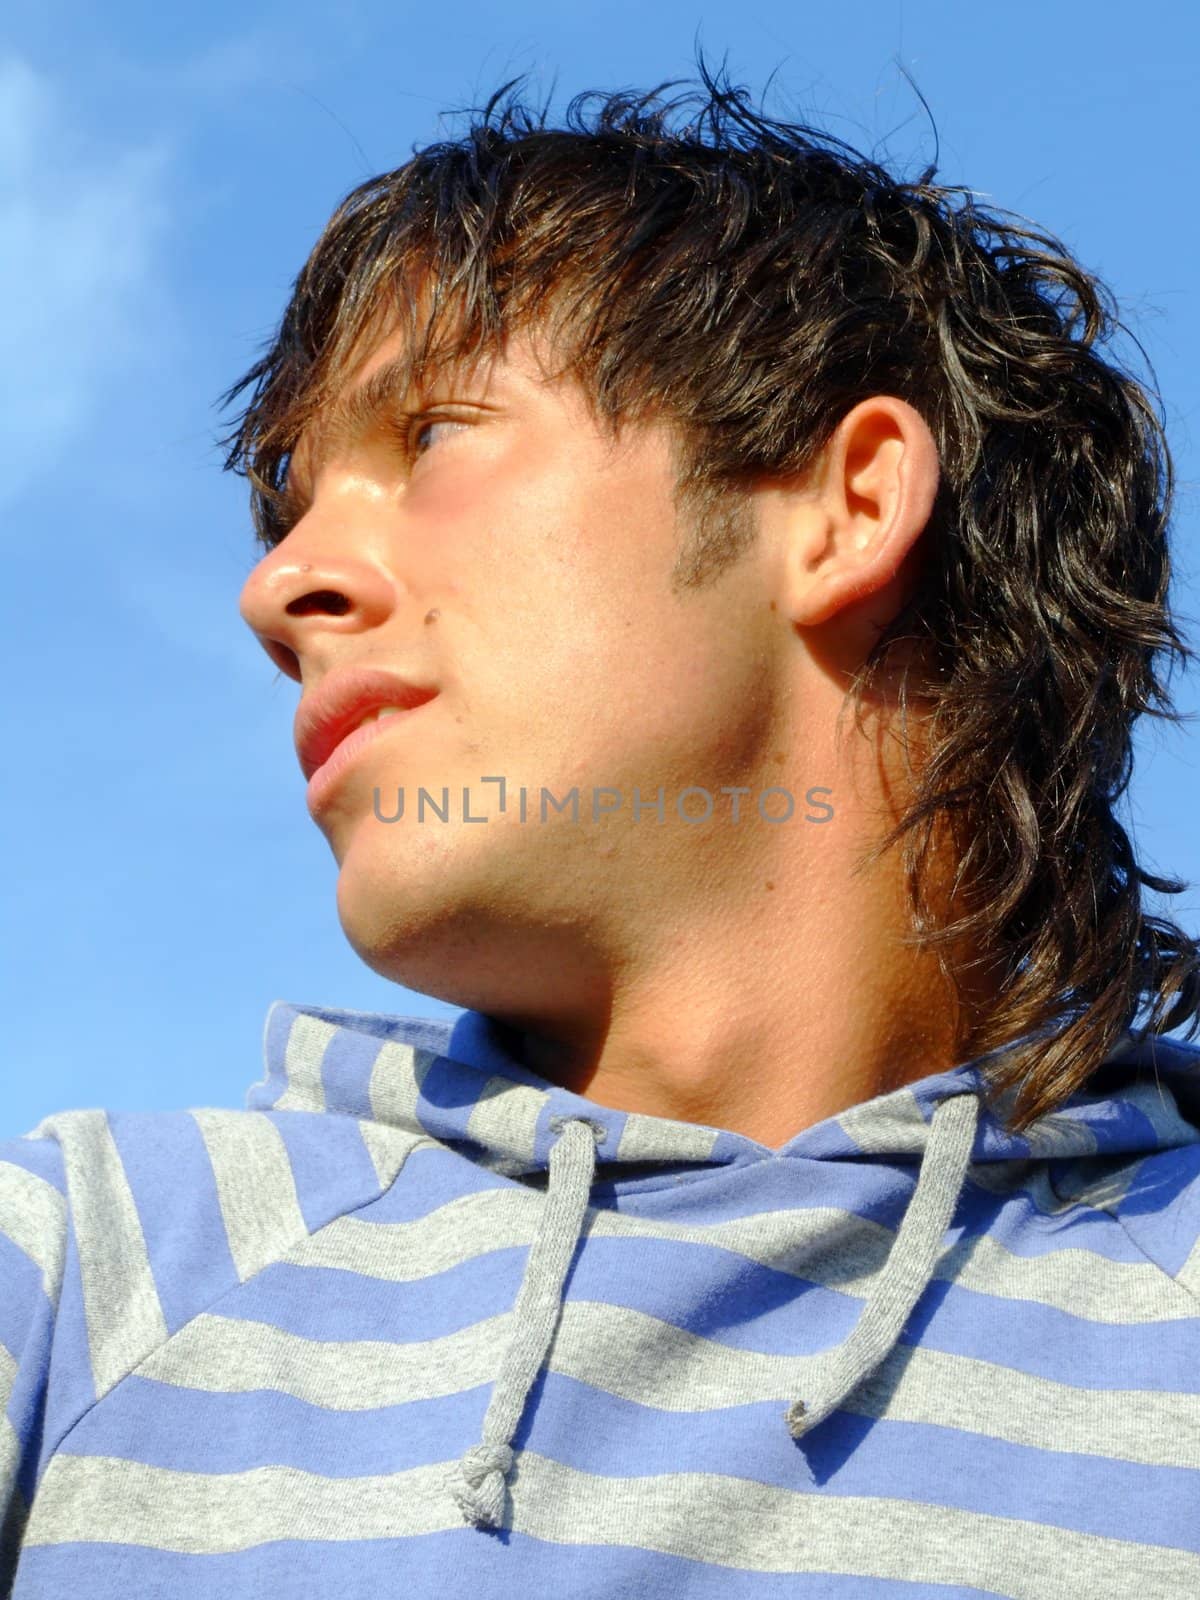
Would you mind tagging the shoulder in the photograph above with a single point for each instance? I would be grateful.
(117, 1229)
(131, 1223)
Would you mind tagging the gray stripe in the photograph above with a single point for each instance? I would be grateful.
(842, 1251)
(504, 1120)
(822, 1245)
(34, 1216)
(229, 1355)
(1080, 1283)
(405, 1252)
(892, 1124)
(659, 1139)
(735, 1523)
(389, 1148)
(13, 1510)
(727, 1522)
(308, 1039)
(641, 1358)
(255, 1186)
(114, 1501)
(120, 1299)
(396, 1078)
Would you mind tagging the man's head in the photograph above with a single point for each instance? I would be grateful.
(687, 422)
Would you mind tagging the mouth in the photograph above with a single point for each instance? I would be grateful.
(373, 725)
(343, 703)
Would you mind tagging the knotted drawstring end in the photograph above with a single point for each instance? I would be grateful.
(802, 1416)
(479, 1483)
(797, 1419)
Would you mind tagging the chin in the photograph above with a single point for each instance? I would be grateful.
(470, 915)
(417, 914)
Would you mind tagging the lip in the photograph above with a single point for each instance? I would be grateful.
(328, 716)
(327, 776)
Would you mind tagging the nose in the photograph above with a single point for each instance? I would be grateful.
(293, 605)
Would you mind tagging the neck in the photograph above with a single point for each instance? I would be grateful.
(770, 995)
(763, 1046)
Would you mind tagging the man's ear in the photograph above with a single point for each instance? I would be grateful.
(848, 530)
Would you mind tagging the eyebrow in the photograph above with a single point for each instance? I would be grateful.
(355, 412)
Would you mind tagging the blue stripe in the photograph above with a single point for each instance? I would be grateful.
(346, 1072)
(449, 1093)
(332, 1170)
(171, 1179)
(42, 1157)
(876, 1193)
(327, 1304)
(431, 1178)
(187, 1430)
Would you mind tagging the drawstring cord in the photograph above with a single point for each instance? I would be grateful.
(479, 1478)
(478, 1484)
(909, 1265)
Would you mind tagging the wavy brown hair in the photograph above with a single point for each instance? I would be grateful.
(750, 280)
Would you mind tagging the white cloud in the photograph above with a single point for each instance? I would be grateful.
(80, 224)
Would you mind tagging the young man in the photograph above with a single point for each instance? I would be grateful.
(722, 579)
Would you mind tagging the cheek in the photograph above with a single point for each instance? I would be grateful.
(566, 632)
(647, 693)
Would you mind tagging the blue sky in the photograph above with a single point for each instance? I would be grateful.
(163, 172)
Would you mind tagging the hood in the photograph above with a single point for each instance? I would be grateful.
(460, 1081)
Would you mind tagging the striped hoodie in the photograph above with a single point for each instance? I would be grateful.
(418, 1322)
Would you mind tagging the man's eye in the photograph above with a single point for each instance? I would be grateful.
(424, 432)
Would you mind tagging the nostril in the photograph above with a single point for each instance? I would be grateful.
(286, 660)
(328, 601)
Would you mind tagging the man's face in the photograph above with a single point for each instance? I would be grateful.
(517, 559)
